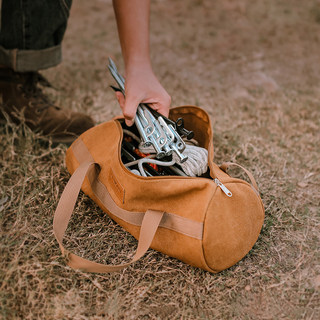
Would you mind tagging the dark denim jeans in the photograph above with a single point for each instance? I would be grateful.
(32, 32)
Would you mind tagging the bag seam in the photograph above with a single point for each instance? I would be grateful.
(204, 222)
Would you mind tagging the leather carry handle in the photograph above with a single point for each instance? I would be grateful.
(62, 215)
(224, 166)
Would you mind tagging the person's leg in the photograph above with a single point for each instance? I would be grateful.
(31, 33)
(30, 40)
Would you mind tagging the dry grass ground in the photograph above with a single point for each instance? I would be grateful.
(255, 67)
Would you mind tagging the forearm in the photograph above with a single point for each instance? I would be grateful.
(142, 86)
(133, 27)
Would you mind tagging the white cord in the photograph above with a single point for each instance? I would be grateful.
(132, 163)
(148, 159)
(160, 163)
(132, 135)
(146, 150)
(136, 172)
(196, 164)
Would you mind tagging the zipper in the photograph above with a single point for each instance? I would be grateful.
(223, 187)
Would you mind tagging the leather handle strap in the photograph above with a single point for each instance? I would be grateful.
(224, 166)
(62, 215)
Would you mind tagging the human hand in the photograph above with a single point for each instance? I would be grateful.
(142, 86)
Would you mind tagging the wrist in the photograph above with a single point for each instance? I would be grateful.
(138, 63)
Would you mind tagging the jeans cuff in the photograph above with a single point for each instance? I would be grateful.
(30, 60)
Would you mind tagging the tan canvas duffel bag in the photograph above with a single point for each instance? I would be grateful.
(189, 218)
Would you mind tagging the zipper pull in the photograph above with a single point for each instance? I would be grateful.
(223, 187)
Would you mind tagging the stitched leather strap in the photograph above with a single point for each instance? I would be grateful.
(175, 222)
(224, 166)
(62, 215)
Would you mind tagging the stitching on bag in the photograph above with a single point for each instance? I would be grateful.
(167, 216)
(116, 186)
(204, 221)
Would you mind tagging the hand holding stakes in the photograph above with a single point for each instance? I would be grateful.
(164, 138)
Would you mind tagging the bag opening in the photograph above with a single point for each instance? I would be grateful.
(141, 160)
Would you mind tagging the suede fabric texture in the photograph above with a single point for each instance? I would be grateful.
(231, 226)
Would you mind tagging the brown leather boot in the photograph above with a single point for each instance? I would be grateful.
(21, 98)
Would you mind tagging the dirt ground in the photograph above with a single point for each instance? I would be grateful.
(255, 67)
